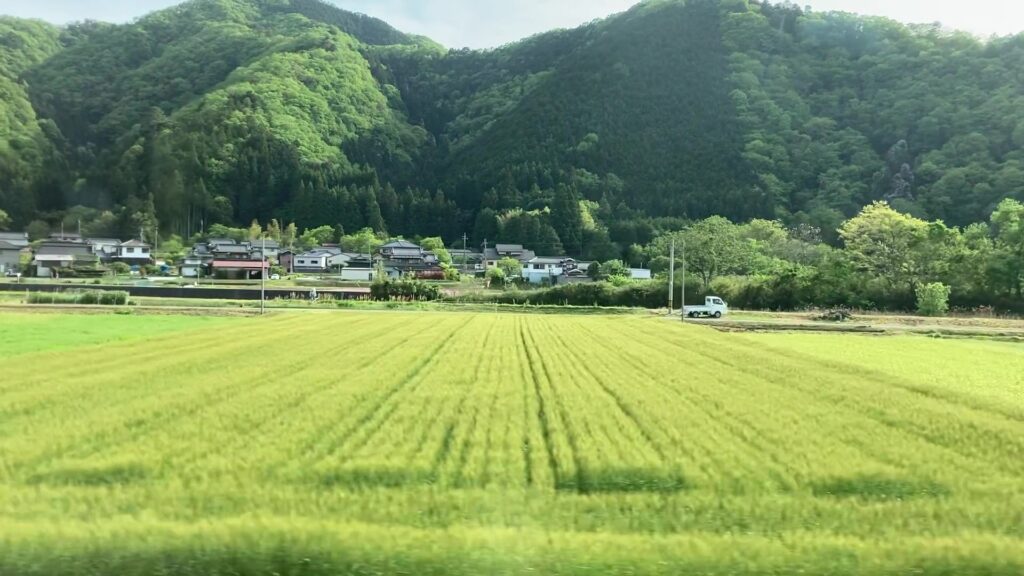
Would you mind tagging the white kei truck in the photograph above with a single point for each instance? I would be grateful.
(714, 307)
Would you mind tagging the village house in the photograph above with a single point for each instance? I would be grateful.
(492, 255)
(408, 258)
(106, 249)
(467, 259)
(134, 253)
(226, 259)
(239, 269)
(286, 260)
(316, 261)
(17, 239)
(51, 257)
(10, 258)
(543, 269)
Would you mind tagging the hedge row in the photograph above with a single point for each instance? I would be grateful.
(85, 298)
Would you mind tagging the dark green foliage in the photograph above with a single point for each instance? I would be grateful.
(384, 290)
(650, 294)
(222, 111)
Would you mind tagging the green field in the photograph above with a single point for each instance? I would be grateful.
(474, 444)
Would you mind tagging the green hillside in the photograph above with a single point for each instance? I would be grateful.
(25, 141)
(222, 111)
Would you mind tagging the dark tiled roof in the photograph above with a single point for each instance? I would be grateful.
(399, 244)
(404, 253)
(550, 260)
(231, 249)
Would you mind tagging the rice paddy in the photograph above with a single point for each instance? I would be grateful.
(450, 443)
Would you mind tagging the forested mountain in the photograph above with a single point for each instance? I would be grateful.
(225, 111)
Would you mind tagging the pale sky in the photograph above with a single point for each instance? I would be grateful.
(488, 23)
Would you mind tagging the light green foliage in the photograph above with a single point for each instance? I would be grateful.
(1008, 221)
(316, 237)
(496, 277)
(714, 247)
(5, 220)
(887, 244)
(436, 245)
(360, 242)
(172, 247)
(511, 267)
(614, 269)
(558, 445)
(933, 299)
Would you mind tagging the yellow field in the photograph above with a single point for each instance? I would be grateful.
(431, 443)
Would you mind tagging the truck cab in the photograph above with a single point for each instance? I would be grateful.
(714, 307)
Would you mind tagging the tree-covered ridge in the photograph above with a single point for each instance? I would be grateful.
(224, 111)
(25, 142)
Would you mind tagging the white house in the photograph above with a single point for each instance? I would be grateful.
(539, 269)
(134, 253)
(314, 261)
(193, 265)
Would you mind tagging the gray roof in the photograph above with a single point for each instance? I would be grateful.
(505, 248)
(231, 249)
(220, 241)
(19, 239)
(550, 260)
(399, 244)
(4, 245)
(525, 256)
(135, 244)
(58, 247)
(411, 253)
(319, 253)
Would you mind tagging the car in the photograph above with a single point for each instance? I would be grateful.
(714, 307)
(275, 276)
(12, 274)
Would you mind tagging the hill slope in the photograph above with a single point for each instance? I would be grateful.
(229, 110)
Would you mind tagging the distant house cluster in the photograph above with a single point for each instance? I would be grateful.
(228, 259)
(63, 253)
(396, 259)
(542, 269)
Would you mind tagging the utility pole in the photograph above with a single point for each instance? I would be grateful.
(263, 277)
(672, 278)
(465, 253)
(485, 255)
(684, 282)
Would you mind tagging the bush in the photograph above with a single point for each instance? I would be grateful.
(83, 298)
(650, 294)
(933, 299)
(405, 289)
(120, 268)
(495, 277)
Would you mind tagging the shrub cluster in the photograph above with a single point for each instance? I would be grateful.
(81, 297)
(405, 289)
(651, 294)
